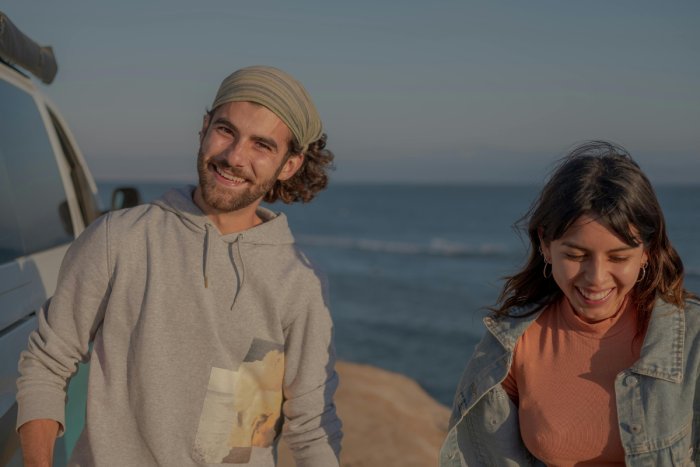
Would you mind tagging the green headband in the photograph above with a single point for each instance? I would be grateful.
(279, 92)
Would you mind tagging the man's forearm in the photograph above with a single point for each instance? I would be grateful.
(38, 438)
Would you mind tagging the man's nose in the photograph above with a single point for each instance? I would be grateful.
(235, 154)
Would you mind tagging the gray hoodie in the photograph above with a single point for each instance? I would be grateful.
(204, 344)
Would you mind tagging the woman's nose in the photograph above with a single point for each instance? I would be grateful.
(595, 271)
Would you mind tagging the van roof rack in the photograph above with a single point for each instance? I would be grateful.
(18, 49)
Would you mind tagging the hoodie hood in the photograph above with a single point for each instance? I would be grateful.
(274, 230)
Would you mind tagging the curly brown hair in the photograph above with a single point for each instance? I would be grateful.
(598, 179)
(311, 177)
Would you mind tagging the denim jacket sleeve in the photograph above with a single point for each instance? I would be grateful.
(695, 448)
(484, 427)
(696, 425)
(487, 436)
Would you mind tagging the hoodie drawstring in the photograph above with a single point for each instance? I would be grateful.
(241, 279)
(207, 248)
(207, 254)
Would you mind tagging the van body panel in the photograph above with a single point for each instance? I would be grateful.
(29, 267)
(12, 342)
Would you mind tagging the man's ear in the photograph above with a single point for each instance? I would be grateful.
(291, 166)
(205, 127)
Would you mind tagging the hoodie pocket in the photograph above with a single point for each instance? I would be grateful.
(242, 407)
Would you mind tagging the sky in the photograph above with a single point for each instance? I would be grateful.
(409, 91)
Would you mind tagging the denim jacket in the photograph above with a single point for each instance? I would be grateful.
(658, 398)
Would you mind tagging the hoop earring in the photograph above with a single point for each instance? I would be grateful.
(644, 273)
(544, 270)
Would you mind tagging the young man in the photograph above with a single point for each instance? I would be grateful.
(210, 331)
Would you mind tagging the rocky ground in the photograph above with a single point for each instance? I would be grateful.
(388, 420)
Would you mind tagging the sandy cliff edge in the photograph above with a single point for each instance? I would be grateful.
(388, 420)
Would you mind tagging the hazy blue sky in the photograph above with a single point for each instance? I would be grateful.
(440, 91)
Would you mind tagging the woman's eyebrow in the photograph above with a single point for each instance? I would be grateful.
(614, 250)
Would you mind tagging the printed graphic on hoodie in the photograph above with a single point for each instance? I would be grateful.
(242, 407)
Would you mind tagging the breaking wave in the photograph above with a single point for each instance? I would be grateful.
(692, 272)
(436, 246)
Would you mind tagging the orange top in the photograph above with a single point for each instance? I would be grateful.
(563, 381)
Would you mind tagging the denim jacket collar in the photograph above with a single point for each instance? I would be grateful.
(507, 330)
(660, 356)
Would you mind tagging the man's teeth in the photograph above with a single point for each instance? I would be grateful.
(229, 176)
(595, 296)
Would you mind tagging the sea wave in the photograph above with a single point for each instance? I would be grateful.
(692, 272)
(435, 247)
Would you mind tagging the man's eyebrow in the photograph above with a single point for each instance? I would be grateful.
(614, 250)
(269, 141)
(262, 139)
(225, 122)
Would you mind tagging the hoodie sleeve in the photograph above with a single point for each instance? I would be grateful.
(311, 429)
(67, 324)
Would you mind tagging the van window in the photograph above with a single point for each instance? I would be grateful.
(86, 201)
(31, 180)
(10, 239)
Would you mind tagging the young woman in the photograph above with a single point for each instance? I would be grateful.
(592, 354)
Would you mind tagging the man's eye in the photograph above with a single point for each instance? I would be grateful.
(263, 146)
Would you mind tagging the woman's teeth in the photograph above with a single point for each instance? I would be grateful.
(595, 296)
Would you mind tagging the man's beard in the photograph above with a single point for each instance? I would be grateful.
(226, 200)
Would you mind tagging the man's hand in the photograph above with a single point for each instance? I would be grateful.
(38, 438)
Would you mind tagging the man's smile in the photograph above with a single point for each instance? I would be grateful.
(229, 178)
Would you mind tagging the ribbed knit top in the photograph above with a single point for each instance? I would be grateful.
(562, 379)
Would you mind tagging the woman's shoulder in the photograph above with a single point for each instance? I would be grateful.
(516, 313)
(508, 327)
(691, 309)
(690, 312)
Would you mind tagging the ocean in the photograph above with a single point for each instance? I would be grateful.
(412, 268)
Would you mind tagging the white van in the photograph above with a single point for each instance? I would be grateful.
(47, 197)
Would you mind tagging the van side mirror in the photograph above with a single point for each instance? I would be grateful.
(125, 197)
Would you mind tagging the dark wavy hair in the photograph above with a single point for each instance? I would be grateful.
(311, 177)
(598, 179)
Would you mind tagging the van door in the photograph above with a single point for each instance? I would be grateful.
(36, 229)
